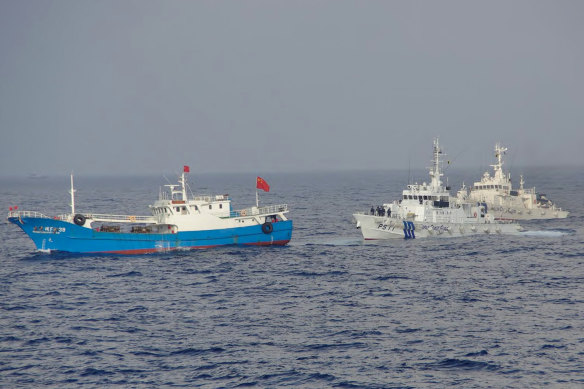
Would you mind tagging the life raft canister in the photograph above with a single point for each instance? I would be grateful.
(79, 219)
(267, 228)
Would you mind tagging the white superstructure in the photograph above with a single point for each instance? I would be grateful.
(426, 210)
(208, 212)
(506, 203)
(175, 211)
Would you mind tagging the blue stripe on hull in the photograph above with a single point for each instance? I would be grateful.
(57, 235)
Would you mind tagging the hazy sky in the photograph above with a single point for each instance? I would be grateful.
(144, 87)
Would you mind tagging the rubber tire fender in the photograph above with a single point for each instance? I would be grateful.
(267, 228)
(79, 219)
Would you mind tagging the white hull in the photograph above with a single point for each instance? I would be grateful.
(376, 228)
(528, 214)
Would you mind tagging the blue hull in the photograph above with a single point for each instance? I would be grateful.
(56, 235)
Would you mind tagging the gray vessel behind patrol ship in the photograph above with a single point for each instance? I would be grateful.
(506, 203)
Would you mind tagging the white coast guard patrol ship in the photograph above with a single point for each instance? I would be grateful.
(504, 202)
(176, 222)
(425, 210)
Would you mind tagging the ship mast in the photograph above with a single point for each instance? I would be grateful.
(435, 172)
(498, 167)
(183, 187)
(72, 191)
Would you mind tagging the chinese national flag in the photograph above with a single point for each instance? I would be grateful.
(186, 169)
(262, 184)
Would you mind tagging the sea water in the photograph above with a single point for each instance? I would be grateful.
(328, 310)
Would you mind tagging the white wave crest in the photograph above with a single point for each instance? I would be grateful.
(545, 234)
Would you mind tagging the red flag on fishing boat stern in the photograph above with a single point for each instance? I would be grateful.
(186, 169)
(262, 184)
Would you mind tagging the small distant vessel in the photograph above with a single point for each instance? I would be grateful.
(426, 210)
(504, 202)
(176, 222)
(35, 176)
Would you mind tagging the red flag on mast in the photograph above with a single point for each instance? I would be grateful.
(262, 184)
(186, 169)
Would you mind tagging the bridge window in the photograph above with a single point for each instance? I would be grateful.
(220, 206)
(210, 206)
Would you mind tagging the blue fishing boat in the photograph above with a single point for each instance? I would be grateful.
(177, 221)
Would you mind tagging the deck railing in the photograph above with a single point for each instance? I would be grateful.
(92, 216)
(253, 211)
(120, 218)
(27, 214)
(210, 199)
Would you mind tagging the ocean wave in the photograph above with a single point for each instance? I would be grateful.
(546, 233)
(460, 364)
